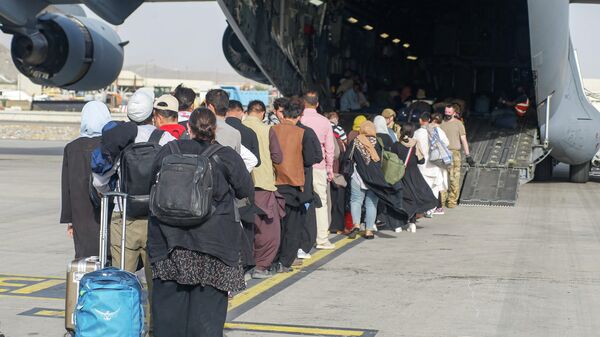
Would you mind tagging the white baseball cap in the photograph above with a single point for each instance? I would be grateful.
(140, 105)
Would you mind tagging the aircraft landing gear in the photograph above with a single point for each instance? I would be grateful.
(543, 170)
(580, 173)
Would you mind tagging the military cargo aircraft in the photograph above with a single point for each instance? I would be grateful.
(456, 47)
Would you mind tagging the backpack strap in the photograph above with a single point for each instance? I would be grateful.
(155, 136)
(174, 147)
(212, 149)
(380, 142)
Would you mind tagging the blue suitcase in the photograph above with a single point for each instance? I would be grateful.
(110, 300)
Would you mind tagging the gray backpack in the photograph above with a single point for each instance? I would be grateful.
(183, 193)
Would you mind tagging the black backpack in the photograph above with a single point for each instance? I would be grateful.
(135, 173)
(183, 193)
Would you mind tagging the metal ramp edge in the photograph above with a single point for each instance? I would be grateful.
(490, 187)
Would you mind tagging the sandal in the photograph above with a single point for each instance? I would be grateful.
(353, 232)
(369, 235)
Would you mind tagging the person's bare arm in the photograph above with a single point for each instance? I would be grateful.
(465, 145)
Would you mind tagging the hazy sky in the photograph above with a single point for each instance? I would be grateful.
(188, 36)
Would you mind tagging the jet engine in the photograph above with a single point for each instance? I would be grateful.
(240, 59)
(70, 52)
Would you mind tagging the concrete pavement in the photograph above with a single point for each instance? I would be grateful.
(526, 271)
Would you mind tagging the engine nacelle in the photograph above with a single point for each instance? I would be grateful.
(239, 59)
(69, 52)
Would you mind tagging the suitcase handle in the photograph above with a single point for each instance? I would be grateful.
(104, 224)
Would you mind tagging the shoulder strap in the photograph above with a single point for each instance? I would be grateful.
(212, 149)
(156, 136)
(174, 147)
(380, 142)
(410, 149)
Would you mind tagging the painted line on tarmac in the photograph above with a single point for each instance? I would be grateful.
(245, 326)
(32, 287)
(264, 289)
(298, 329)
(44, 312)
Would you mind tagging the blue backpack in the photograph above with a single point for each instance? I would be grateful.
(109, 304)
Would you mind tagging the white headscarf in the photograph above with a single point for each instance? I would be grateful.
(94, 116)
(380, 125)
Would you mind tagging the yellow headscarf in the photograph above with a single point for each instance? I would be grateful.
(358, 121)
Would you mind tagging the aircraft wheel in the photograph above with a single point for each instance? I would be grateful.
(580, 173)
(543, 170)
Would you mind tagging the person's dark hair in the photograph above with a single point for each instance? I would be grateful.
(437, 118)
(166, 113)
(185, 96)
(280, 102)
(219, 99)
(294, 108)
(256, 106)
(407, 131)
(203, 124)
(235, 105)
(455, 107)
(425, 116)
(311, 98)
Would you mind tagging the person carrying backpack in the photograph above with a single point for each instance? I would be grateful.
(435, 176)
(139, 141)
(194, 240)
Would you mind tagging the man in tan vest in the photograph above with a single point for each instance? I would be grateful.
(290, 180)
(267, 231)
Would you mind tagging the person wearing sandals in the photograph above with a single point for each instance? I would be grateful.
(362, 167)
(364, 147)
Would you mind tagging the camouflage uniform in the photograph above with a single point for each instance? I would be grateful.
(451, 197)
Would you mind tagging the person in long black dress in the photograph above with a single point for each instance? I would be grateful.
(76, 208)
(417, 197)
(195, 267)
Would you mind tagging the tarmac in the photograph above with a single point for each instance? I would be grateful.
(531, 270)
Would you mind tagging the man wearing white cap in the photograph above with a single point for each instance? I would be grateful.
(139, 111)
(165, 116)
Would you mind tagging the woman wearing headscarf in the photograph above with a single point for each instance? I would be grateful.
(356, 127)
(383, 132)
(417, 197)
(368, 184)
(77, 210)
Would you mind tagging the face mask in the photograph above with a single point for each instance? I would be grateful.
(447, 117)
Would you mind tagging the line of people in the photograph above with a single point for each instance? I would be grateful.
(282, 182)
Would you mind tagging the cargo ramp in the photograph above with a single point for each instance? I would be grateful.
(503, 162)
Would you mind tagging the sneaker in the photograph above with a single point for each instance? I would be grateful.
(429, 214)
(303, 255)
(438, 211)
(412, 228)
(327, 246)
(398, 229)
(261, 274)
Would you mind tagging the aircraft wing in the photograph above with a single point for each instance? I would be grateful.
(113, 11)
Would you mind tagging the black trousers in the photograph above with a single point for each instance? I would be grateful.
(292, 231)
(187, 311)
(338, 208)
(309, 234)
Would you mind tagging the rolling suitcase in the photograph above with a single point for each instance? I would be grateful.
(79, 267)
(110, 300)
